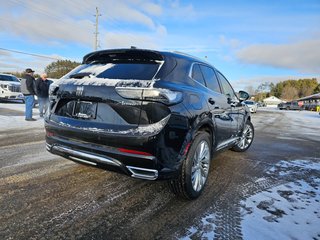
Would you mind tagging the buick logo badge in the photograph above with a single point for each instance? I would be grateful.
(79, 91)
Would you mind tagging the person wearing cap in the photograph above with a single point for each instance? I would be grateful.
(28, 90)
(42, 87)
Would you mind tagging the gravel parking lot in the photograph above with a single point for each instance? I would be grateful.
(272, 191)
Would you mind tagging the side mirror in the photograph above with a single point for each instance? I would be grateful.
(243, 96)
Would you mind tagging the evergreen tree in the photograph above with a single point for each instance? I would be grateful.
(60, 68)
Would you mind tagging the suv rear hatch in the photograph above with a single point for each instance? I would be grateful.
(109, 92)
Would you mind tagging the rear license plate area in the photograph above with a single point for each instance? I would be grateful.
(85, 110)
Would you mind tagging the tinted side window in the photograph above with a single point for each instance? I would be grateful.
(197, 75)
(211, 79)
(226, 87)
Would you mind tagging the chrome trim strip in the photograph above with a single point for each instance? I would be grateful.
(150, 174)
(81, 160)
(225, 143)
(87, 156)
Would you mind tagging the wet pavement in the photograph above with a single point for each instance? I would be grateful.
(43, 196)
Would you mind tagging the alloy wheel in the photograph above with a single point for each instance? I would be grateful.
(246, 138)
(200, 166)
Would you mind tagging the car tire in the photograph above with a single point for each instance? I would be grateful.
(246, 138)
(195, 168)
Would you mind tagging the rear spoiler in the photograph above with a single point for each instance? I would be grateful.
(122, 55)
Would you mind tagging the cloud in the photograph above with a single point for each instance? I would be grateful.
(192, 49)
(178, 11)
(125, 40)
(39, 22)
(13, 62)
(152, 8)
(230, 43)
(47, 31)
(4, 54)
(61, 22)
(125, 13)
(303, 56)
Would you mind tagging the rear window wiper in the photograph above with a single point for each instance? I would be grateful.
(80, 75)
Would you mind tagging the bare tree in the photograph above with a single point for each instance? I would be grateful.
(306, 91)
(289, 93)
(250, 90)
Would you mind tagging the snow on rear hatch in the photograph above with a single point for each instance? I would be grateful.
(99, 76)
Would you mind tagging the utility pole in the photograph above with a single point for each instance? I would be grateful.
(96, 32)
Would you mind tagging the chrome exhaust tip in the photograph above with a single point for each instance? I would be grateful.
(48, 146)
(143, 173)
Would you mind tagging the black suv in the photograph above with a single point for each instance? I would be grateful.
(152, 115)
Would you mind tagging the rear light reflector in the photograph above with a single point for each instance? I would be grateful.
(186, 149)
(49, 134)
(124, 150)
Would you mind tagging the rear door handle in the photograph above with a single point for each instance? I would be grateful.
(211, 101)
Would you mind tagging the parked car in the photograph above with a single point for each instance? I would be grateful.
(261, 104)
(252, 105)
(10, 87)
(311, 106)
(150, 114)
(293, 105)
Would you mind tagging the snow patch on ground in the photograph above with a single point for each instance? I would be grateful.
(301, 125)
(15, 121)
(206, 228)
(284, 168)
(288, 211)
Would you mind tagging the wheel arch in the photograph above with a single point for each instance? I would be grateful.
(206, 125)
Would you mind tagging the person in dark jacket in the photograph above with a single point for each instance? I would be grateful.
(42, 88)
(28, 90)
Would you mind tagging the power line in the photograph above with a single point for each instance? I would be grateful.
(40, 10)
(30, 54)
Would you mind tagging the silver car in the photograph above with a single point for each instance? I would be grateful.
(252, 105)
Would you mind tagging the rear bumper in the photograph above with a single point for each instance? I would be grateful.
(149, 154)
(102, 161)
(12, 95)
(140, 166)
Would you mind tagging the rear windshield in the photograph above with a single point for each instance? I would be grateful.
(139, 71)
(8, 78)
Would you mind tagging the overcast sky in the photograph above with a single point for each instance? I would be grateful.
(249, 41)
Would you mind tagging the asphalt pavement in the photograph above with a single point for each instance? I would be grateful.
(43, 196)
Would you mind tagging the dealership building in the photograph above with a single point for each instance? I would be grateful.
(311, 102)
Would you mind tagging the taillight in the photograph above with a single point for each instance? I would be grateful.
(165, 96)
(124, 150)
(49, 134)
(186, 149)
